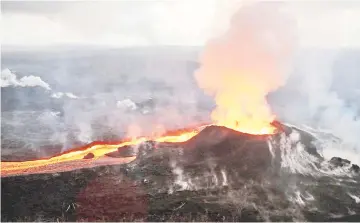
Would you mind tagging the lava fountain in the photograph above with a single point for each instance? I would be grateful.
(241, 67)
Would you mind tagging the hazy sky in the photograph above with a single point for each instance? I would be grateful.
(171, 22)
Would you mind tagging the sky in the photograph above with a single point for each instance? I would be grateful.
(325, 24)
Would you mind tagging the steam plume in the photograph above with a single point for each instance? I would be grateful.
(8, 78)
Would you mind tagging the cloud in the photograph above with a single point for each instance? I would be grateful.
(327, 25)
(114, 23)
(129, 23)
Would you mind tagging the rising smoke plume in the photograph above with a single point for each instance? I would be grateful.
(242, 66)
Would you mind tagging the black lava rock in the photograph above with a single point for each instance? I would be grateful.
(124, 151)
(146, 148)
(218, 175)
(89, 156)
(339, 162)
(355, 168)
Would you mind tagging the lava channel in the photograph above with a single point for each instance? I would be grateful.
(79, 157)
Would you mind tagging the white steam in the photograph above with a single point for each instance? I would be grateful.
(9, 78)
(62, 94)
(126, 104)
(322, 104)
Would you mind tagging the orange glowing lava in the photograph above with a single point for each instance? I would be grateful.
(99, 149)
(74, 158)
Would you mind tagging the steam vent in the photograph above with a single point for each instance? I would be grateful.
(217, 175)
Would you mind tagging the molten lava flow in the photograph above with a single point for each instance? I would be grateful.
(98, 149)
